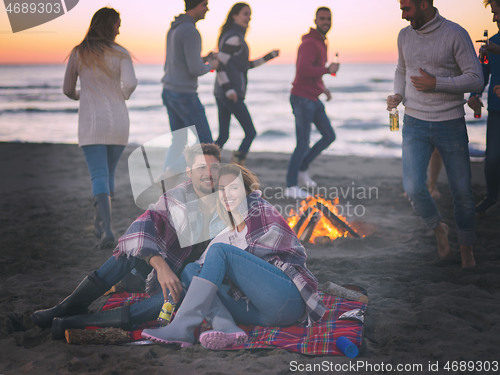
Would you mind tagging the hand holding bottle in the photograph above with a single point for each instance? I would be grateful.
(393, 101)
(213, 61)
(475, 103)
(333, 68)
(335, 65)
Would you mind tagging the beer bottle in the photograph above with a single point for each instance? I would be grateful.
(394, 120)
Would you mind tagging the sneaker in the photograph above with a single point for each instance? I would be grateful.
(304, 179)
(296, 193)
(484, 205)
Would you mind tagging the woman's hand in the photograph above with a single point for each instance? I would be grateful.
(167, 278)
(496, 90)
(232, 95)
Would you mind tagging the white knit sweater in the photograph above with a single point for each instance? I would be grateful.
(444, 49)
(103, 115)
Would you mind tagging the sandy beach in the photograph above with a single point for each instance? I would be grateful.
(419, 313)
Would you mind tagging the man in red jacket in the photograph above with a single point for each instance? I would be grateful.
(307, 108)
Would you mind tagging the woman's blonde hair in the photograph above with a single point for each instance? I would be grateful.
(99, 40)
(250, 182)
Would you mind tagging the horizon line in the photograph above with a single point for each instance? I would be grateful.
(151, 63)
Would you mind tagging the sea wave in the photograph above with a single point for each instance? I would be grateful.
(29, 87)
(273, 133)
(38, 110)
(361, 125)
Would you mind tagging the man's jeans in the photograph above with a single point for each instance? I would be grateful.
(185, 109)
(492, 161)
(115, 269)
(450, 138)
(306, 112)
(273, 299)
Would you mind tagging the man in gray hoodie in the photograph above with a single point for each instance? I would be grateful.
(183, 66)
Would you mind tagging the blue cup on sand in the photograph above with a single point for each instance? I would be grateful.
(347, 347)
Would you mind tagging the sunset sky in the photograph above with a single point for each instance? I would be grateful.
(362, 31)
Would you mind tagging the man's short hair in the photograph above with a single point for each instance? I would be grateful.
(202, 149)
(320, 9)
(488, 2)
(418, 2)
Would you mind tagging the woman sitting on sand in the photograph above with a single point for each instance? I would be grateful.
(107, 79)
(264, 262)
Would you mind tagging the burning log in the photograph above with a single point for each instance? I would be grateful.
(335, 220)
(303, 217)
(307, 233)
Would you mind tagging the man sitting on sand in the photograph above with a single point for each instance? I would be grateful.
(153, 244)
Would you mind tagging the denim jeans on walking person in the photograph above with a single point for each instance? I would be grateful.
(450, 138)
(115, 269)
(273, 299)
(492, 160)
(306, 112)
(227, 108)
(101, 162)
(185, 109)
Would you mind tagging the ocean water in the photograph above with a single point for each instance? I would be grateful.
(33, 109)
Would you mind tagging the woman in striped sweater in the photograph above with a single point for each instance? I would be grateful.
(231, 81)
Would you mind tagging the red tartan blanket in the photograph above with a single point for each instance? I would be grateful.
(316, 340)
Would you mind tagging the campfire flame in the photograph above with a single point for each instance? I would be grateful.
(324, 227)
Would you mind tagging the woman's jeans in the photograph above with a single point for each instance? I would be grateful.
(115, 269)
(450, 138)
(306, 112)
(101, 162)
(492, 161)
(273, 299)
(227, 108)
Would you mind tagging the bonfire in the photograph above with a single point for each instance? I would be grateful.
(318, 221)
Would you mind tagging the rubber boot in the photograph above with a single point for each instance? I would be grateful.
(239, 158)
(103, 204)
(225, 332)
(194, 308)
(76, 303)
(117, 318)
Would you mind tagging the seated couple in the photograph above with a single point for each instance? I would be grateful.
(252, 272)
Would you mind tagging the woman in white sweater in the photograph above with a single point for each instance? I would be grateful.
(107, 79)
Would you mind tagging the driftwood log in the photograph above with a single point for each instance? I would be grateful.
(100, 336)
(342, 292)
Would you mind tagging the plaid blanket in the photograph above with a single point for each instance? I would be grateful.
(318, 339)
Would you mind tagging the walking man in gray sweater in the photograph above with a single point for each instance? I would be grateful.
(183, 66)
(437, 64)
